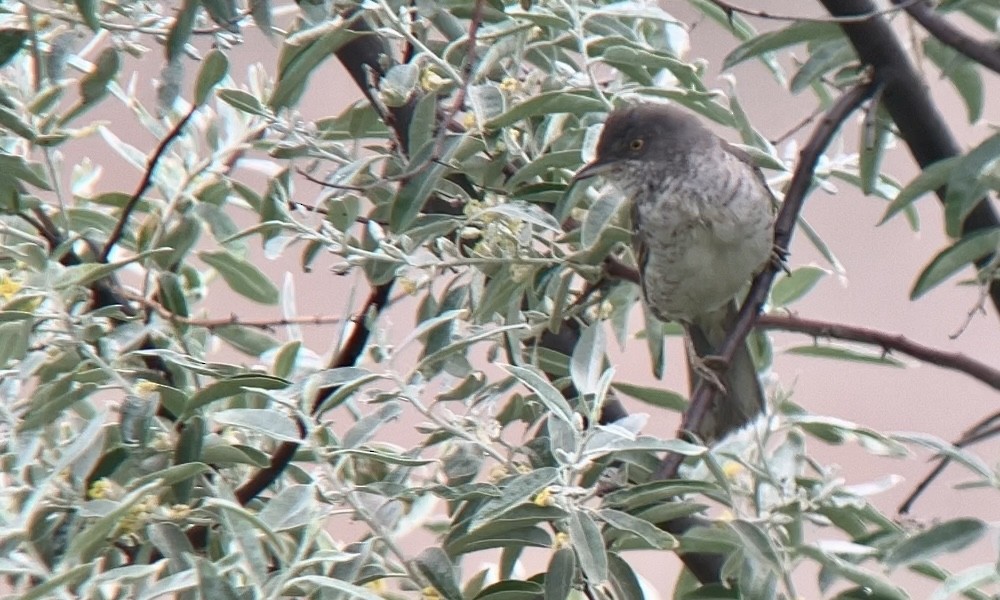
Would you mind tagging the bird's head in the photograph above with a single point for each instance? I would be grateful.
(644, 133)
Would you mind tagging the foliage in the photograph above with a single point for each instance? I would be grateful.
(137, 464)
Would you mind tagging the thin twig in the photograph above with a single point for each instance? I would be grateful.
(982, 52)
(147, 180)
(982, 430)
(704, 394)
(888, 342)
(731, 9)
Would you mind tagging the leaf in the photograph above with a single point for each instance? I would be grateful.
(641, 528)
(934, 176)
(11, 42)
(952, 259)
(242, 101)
(796, 33)
(790, 288)
(87, 273)
(965, 186)
(179, 34)
(950, 536)
(415, 191)
(961, 72)
(526, 212)
(94, 84)
(589, 546)
(829, 55)
(966, 580)
(301, 54)
(547, 394)
(659, 397)
(232, 386)
(586, 366)
(249, 340)
(843, 352)
(268, 422)
(293, 588)
(290, 508)
(213, 70)
(560, 101)
(600, 214)
(12, 165)
(624, 579)
(560, 574)
(434, 564)
(90, 541)
(365, 428)
(876, 138)
(877, 585)
(515, 492)
(243, 277)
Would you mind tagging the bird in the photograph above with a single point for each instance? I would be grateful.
(702, 228)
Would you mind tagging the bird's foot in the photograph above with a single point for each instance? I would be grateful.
(709, 368)
(779, 259)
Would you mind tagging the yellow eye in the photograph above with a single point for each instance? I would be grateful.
(636, 144)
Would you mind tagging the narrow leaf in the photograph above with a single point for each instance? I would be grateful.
(952, 259)
(243, 277)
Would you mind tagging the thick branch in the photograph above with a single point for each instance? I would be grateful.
(889, 342)
(949, 35)
(704, 394)
(906, 99)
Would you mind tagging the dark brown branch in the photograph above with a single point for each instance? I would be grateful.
(982, 430)
(888, 342)
(983, 53)
(704, 394)
(906, 99)
(147, 180)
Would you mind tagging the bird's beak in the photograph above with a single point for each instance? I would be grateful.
(593, 169)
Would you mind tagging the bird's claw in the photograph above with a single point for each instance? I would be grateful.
(779, 260)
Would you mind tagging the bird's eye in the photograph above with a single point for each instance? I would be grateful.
(636, 144)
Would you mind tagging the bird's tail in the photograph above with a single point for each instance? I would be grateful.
(743, 398)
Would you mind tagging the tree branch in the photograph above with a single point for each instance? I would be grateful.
(887, 341)
(982, 430)
(949, 35)
(147, 180)
(704, 393)
(908, 103)
(730, 9)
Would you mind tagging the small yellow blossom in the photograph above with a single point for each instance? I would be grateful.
(431, 81)
(544, 498)
(9, 287)
(162, 442)
(138, 515)
(144, 388)
(469, 121)
(509, 84)
(604, 310)
(522, 468)
(179, 511)
(378, 586)
(498, 472)
(726, 516)
(99, 489)
(561, 541)
(732, 469)
(408, 286)
(429, 593)
(520, 273)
